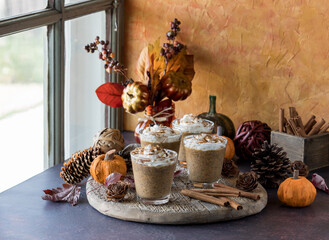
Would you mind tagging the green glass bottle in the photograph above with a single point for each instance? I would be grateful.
(219, 119)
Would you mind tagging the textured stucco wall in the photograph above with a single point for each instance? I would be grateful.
(255, 56)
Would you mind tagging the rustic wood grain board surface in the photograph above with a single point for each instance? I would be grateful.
(179, 210)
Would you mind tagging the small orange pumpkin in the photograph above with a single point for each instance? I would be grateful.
(296, 191)
(230, 149)
(106, 164)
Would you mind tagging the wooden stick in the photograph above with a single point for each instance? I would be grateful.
(324, 128)
(309, 124)
(281, 119)
(233, 203)
(203, 197)
(316, 128)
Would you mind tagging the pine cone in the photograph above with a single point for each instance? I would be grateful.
(77, 168)
(117, 191)
(247, 181)
(301, 167)
(271, 165)
(230, 169)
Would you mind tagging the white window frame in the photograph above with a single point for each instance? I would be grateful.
(54, 17)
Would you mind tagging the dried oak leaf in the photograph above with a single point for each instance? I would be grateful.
(69, 193)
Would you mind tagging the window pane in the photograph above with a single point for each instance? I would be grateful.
(84, 72)
(22, 74)
(9, 8)
(74, 1)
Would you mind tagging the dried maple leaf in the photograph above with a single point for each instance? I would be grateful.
(69, 193)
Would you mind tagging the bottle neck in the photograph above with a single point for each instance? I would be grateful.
(212, 106)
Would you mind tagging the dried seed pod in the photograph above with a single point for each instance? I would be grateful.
(117, 191)
(301, 167)
(247, 181)
(230, 169)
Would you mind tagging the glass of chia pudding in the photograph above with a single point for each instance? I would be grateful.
(161, 135)
(153, 169)
(190, 125)
(205, 156)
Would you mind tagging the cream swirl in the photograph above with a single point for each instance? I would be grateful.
(205, 142)
(193, 124)
(160, 133)
(154, 156)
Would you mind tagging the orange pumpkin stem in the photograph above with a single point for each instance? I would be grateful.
(295, 174)
(109, 155)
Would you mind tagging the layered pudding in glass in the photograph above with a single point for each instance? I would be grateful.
(205, 156)
(189, 125)
(161, 135)
(153, 169)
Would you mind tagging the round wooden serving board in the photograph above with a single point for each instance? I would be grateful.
(179, 210)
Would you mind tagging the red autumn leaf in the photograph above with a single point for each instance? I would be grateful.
(110, 94)
(69, 193)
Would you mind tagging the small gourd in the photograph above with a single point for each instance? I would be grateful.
(230, 149)
(135, 97)
(106, 164)
(296, 191)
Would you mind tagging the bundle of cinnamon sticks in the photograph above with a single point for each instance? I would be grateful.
(294, 125)
(220, 195)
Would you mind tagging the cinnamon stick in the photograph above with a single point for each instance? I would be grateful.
(292, 112)
(281, 119)
(301, 132)
(233, 203)
(309, 124)
(293, 126)
(324, 128)
(300, 124)
(289, 129)
(316, 128)
(221, 190)
(250, 195)
(203, 197)
(222, 194)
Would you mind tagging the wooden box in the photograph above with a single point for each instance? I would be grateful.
(313, 150)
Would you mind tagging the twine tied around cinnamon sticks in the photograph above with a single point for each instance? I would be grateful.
(219, 195)
(294, 125)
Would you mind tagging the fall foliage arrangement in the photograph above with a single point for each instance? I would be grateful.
(163, 73)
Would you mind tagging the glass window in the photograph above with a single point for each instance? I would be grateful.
(84, 113)
(74, 1)
(22, 74)
(9, 8)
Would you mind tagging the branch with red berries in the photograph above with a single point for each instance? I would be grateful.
(165, 72)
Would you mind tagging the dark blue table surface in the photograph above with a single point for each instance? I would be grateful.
(24, 215)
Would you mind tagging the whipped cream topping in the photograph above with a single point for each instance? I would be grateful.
(192, 124)
(205, 142)
(160, 133)
(153, 156)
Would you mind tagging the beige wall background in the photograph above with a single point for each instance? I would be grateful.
(255, 56)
